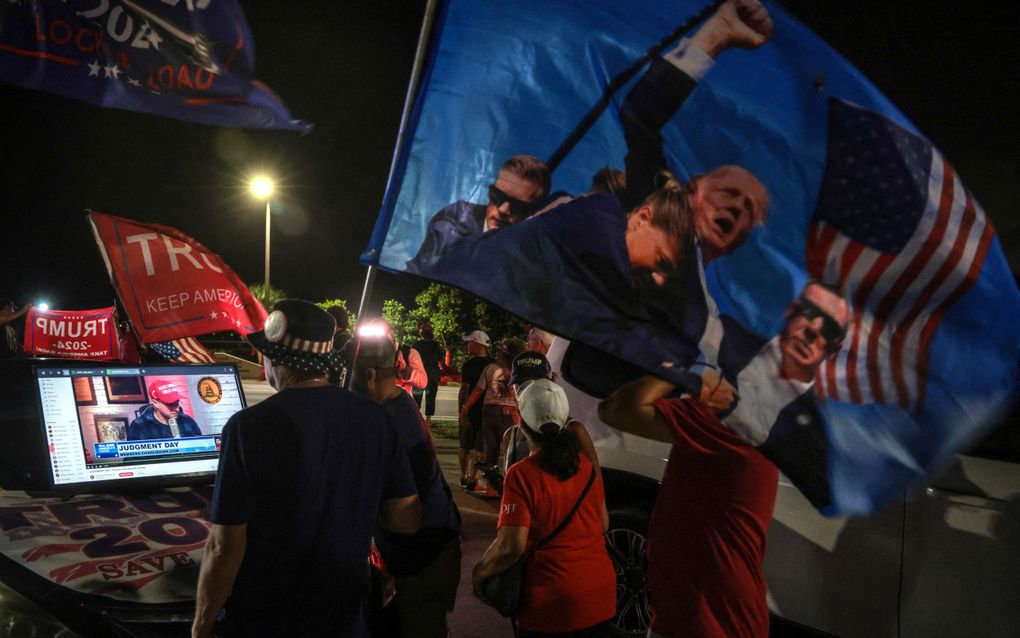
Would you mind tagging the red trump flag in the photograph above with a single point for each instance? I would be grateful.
(72, 334)
(171, 285)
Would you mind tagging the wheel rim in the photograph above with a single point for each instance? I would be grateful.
(627, 551)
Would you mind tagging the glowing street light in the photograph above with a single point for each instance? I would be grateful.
(262, 188)
(42, 305)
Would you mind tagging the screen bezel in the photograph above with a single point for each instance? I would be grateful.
(133, 484)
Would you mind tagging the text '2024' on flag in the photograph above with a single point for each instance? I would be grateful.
(170, 284)
(836, 201)
(191, 60)
(72, 334)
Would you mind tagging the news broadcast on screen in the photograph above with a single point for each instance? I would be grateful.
(120, 423)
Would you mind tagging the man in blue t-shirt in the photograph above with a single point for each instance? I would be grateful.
(426, 564)
(304, 478)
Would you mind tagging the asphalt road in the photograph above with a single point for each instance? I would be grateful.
(471, 618)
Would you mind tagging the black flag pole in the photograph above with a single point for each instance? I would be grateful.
(620, 80)
(412, 93)
(109, 272)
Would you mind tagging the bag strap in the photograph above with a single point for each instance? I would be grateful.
(566, 521)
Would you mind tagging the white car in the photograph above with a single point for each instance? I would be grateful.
(943, 562)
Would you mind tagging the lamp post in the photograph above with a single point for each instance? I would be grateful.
(262, 188)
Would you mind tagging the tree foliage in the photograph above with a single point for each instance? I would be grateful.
(442, 307)
(352, 318)
(395, 314)
(451, 313)
(267, 296)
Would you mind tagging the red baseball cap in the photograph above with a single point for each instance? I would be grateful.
(164, 391)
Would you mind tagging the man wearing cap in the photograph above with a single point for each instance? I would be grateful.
(527, 367)
(304, 479)
(470, 427)
(425, 565)
(163, 418)
(499, 404)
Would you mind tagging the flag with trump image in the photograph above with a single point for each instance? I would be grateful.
(710, 193)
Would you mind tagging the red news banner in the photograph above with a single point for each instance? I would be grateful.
(170, 284)
(72, 334)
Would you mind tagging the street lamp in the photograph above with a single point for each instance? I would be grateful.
(262, 188)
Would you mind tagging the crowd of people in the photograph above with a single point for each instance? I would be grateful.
(280, 531)
(276, 511)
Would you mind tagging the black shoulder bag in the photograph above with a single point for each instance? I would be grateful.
(502, 591)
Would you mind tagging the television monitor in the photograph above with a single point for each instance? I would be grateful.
(96, 426)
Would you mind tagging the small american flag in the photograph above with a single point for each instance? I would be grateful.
(901, 237)
(185, 350)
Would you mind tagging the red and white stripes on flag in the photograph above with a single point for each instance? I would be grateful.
(898, 298)
(192, 351)
(184, 350)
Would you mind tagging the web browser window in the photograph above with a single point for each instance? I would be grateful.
(107, 423)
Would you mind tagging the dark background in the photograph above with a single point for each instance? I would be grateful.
(950, 66)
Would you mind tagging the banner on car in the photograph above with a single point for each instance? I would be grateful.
(144, 549)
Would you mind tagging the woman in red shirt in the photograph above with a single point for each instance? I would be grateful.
(569, 583)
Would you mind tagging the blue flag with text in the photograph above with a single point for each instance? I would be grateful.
(191, 60)
(830, 264)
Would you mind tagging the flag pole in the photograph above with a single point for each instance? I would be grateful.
(113, 281)
(620, 80)
(412, 92)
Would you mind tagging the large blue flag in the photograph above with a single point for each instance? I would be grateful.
(926, 343)
(192, 60)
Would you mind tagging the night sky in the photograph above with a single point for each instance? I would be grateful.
(950, 66)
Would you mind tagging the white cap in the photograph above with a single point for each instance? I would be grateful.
(478, 337)
(542, 402)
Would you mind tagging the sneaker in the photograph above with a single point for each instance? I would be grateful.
(463, 482)
(481, 487)
(470, 486)
(490, 492)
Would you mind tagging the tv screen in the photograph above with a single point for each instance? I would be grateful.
(111, 424)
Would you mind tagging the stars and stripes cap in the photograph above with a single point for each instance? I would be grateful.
(299, 335)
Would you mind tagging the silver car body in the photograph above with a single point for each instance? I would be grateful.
(944, 562)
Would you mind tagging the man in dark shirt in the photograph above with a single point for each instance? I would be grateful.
(342, 343)
(426, 564)
(431, 354)
(163, 419)
(470, 431)
(304, 478)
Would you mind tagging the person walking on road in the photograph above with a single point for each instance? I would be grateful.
(569, 583)
(304, 479)
(425, 565)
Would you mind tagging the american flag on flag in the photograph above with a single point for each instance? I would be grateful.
(184, 350)
(901, 237)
